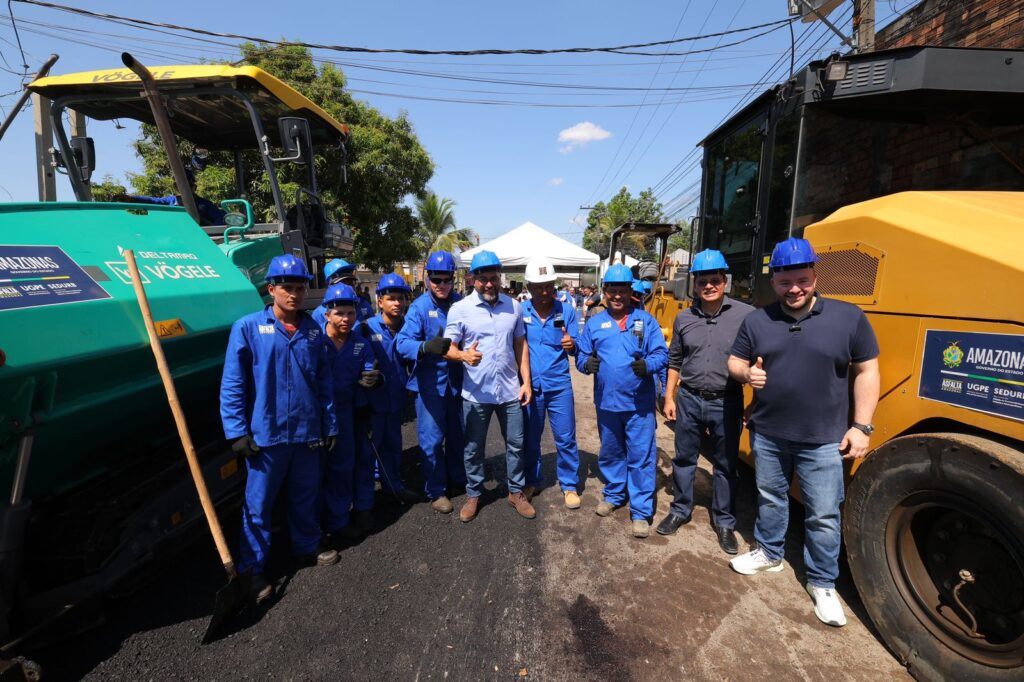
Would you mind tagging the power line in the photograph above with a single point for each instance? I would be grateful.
(617, 49)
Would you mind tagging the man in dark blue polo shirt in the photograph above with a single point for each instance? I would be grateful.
(800, 355)
(709, 401)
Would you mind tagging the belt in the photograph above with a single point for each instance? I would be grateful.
(705, 394)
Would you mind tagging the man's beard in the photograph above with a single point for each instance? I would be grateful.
(490, 297)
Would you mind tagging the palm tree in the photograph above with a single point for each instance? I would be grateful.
(437, 230)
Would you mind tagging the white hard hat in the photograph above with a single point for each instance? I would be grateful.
(540, 270)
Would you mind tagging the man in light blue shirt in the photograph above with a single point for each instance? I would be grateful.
(488, 336)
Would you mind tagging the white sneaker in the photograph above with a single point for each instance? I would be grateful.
(827, 607)
(755, 562)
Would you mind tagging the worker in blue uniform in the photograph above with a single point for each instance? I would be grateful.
(209, 212)
(436, 381)
(551, 333)
(624, 348)
(386, 406)
(340, 271)
(277, 407)
(354, 372)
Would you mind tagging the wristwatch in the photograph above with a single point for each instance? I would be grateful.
(866, 429)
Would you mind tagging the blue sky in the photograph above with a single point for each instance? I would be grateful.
(502, 164)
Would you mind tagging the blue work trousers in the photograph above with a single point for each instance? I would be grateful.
(439, 428)
(628, 459)
(268, 469)
(363, 483)
(339, 472)
(819, 471)
(387, 438)
(478, 418)
(558, 406)
(722, 420)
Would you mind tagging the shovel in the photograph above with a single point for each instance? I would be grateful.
(230, 598)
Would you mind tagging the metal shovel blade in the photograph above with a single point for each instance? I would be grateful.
(230, 600)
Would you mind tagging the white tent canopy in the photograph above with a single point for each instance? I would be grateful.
(516, 247)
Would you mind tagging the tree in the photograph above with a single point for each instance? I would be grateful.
(623, 208)
(107, 189)
(437, 230)
(386, 163)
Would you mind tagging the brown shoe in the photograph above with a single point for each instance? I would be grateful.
(442, 505)
(522, 505)
(469, 509)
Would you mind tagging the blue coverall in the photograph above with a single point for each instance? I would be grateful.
(278, 389)
(552, 394)
(625, 404)
(387, 403)
(342, 465)
(438, 385)
(208, 211)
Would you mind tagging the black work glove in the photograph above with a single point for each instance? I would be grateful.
(592, 364)
(639, 367)
(330, 442)
(437, 345)
(371, 378)
(245, 447)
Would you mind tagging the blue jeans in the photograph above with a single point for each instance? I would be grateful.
(478, 418)
(628, 459)
(819, 471)
(558, 406)
(722, 420)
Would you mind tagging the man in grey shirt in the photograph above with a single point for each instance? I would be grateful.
(707, 402)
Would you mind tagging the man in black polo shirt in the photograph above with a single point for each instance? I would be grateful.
(799, 355)
(708, 400)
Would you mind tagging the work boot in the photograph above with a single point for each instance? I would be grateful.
(572, 499)
(641, 528)
(261, 588)
(469, 509)
(606, 508)
(522, 505)
(529, 491)
(364, 520)
(323, 557)
(442, 505)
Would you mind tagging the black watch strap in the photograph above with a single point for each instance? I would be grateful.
(866, 429)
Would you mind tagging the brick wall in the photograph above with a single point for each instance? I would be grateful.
(957, 23)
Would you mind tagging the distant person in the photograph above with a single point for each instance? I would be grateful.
(487, 334)
(804, 356)
(209, 212)
(277, 406)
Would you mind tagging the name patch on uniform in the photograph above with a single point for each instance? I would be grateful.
(266, 329)
(527, 319)
(606, 325)
(378, 337)
(357, 348)
(431, 313)
(313, 334)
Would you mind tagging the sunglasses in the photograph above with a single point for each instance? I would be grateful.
(440, 280)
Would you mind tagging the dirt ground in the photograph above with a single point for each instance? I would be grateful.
(567, 596)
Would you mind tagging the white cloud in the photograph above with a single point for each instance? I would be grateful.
(580, 135)
(555, 182)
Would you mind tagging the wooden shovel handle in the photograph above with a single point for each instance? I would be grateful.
(179, 418)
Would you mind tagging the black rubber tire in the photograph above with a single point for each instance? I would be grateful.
(988, 474)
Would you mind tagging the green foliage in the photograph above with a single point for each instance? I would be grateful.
(682, 239)
(107, 189)
(623, 208)
(386, 163)
(437, 230)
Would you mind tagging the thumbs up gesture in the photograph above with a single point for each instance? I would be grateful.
(371, 378)
(593, 363)
(472, 356)
(756, 376)
(438, 345)
(568, 345)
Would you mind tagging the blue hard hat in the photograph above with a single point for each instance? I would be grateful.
(792, 252)
(339, 294)
(708, 260)
(638, 287)
(618, 274)
(441, 261)
(338, 266)
(483, 260)
(287, 267)
(391, 282)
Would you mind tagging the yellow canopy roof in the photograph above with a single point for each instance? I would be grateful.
(208, 120)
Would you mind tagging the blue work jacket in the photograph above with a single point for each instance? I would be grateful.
(391, 396)
(347, 364)
(549, 363)
(616, 387)
(431, 375)
(276, 388)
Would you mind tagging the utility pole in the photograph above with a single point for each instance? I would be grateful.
(864, 25)
(46, 182)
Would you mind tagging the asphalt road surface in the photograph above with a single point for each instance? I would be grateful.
(567, 596)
